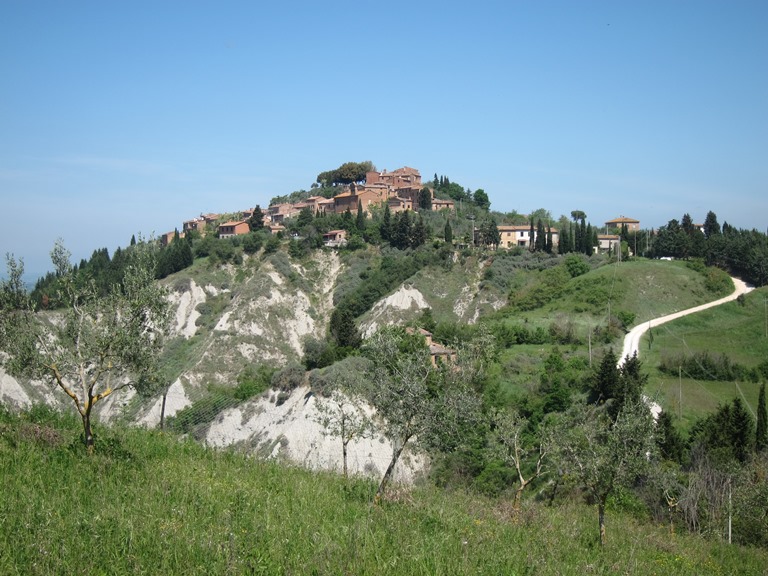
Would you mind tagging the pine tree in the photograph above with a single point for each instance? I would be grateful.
(343, 330)
(668, 438)
(605, 383)
(425, 199)
(761, 433)
(256, 222)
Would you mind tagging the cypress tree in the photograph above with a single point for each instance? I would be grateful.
(419, 233)
(541, 237)
(761, 433)
(448, 233)
(588, 240)
(548, 244)
(360, 216)
(532, 233)
(385, 228)
(564, 242)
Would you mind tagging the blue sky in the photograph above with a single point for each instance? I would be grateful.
(129, 117)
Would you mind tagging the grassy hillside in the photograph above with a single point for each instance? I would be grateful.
(548, 300)
(147, 503)
(736, 330)
(645, 288)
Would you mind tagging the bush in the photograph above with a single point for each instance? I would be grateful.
(703, 366)
(252, 381)
(252, 243)
(289, 378)
(576, 265)
(272, 245)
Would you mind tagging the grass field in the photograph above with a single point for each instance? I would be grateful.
(147, 503)
(735, 330)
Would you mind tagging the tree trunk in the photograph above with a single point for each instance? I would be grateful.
(88, 439)
(344, 457)
(601, 520)
(516, 501)
(162, 411)
(388, 474)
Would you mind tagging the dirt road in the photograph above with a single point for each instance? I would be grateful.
(632, 340)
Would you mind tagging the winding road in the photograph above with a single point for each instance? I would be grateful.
(632, 340)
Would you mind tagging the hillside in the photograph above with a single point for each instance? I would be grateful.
(150, 503)
(230, 318)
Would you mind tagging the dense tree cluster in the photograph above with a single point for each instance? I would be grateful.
(742, 252)
(442, 185)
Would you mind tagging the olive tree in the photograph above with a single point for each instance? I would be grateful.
(417, 402)
(96, 345)
(516, 447)
(342, 410)
(605, 453)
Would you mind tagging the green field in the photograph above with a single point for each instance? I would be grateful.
(147, 503)
(735, 330)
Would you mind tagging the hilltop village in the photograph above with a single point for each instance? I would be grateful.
(400, 190)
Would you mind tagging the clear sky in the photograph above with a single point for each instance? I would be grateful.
(130, 117)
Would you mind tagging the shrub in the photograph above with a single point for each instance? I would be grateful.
(576, 265)
(703, 366)
(252, 243)
(252, 380)
(289, 378)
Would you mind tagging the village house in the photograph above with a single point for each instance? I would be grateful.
(397, 204)
(349, 200)
(279, 212)
(230, 229)
(437, 352)
(275, 229)
(401, 188)
(440, 204)
(608, 242)
(335, 238)
(168, 237)
(520, 235)
(631, 224)
(404, 177)
(194, 224)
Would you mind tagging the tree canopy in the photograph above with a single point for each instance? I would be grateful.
(347, 173)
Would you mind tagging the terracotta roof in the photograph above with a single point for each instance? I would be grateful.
(623, 219)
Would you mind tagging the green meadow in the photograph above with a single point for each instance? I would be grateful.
(150, 503)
